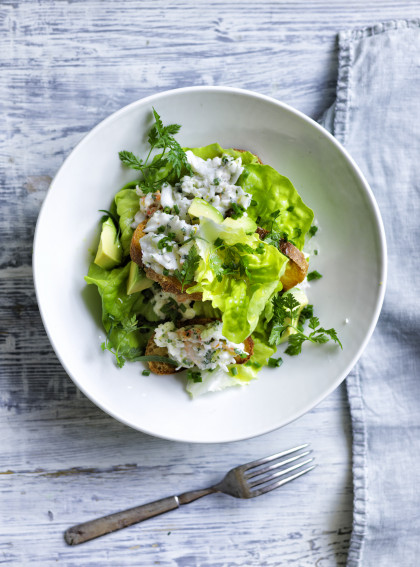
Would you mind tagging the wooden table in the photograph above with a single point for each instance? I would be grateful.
(66, 65)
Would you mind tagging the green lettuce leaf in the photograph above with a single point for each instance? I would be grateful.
(240, 296)
(273, 192)
(117, 306)
(215, 150)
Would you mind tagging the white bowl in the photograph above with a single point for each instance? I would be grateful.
(352, 259)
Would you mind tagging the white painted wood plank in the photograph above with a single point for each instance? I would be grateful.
(66, 66)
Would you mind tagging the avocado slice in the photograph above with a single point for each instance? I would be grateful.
(137, 280)
(200, 208)
(109, 252)
(303, 301)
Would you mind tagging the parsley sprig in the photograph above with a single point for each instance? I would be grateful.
(171, 158)
(285, 310)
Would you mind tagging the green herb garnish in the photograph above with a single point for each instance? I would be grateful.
(275, 362)
(313, 276)
(194, 376)
(286, 307)
(187, 272)
(172, 157)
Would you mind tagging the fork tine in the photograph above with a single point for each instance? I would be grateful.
(272, 457)
(279, 483)
(270, 477)
(273, 466)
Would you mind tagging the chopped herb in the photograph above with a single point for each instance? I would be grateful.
(176, 209)
(238, 211)
(316, 252)
(275, 362)
(194, 376)
(216, 181)
(313, 230)
(146, 373)
(313, 276)
(234, 371)
(165, 272)
(291, 208)
(253, 203)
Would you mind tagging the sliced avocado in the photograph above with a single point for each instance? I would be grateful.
(200, 208)
(303, 302)
(109, 252)
(137, 280)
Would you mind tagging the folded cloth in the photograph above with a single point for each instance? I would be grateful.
(376, 116)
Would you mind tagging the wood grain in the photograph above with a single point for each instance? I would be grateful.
(65, 66)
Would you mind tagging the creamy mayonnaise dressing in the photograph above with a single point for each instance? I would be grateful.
(203, 346)
(163, 245)
(170, 225)
(213, 180)
(162, 299)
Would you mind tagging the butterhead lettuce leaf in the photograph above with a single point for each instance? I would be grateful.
(239, 277)
(273, 192)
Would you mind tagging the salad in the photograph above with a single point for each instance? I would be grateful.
(199, 265)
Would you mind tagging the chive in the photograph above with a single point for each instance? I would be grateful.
(216, 181)
(290, 209)
(176, 209)
(234, 371)
(313, 230)
(316, 252)
(146, 372)
(275, 362)
(165, 272)
(254, 202)
(167, 210)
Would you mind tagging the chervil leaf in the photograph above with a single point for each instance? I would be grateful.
(276, 332)
(187, 272)
(313, 322)
(172, 129)
(130, 160)
(295, 344)
(333, 334)
(160, 137)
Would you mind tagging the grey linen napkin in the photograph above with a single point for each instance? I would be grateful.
(377, 117)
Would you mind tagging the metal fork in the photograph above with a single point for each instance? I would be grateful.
(244, 481)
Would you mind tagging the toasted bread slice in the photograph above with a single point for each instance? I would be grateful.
(297, 266)
(163, 368)
(169, 284)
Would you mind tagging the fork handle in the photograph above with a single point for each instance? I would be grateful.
(113, 522)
